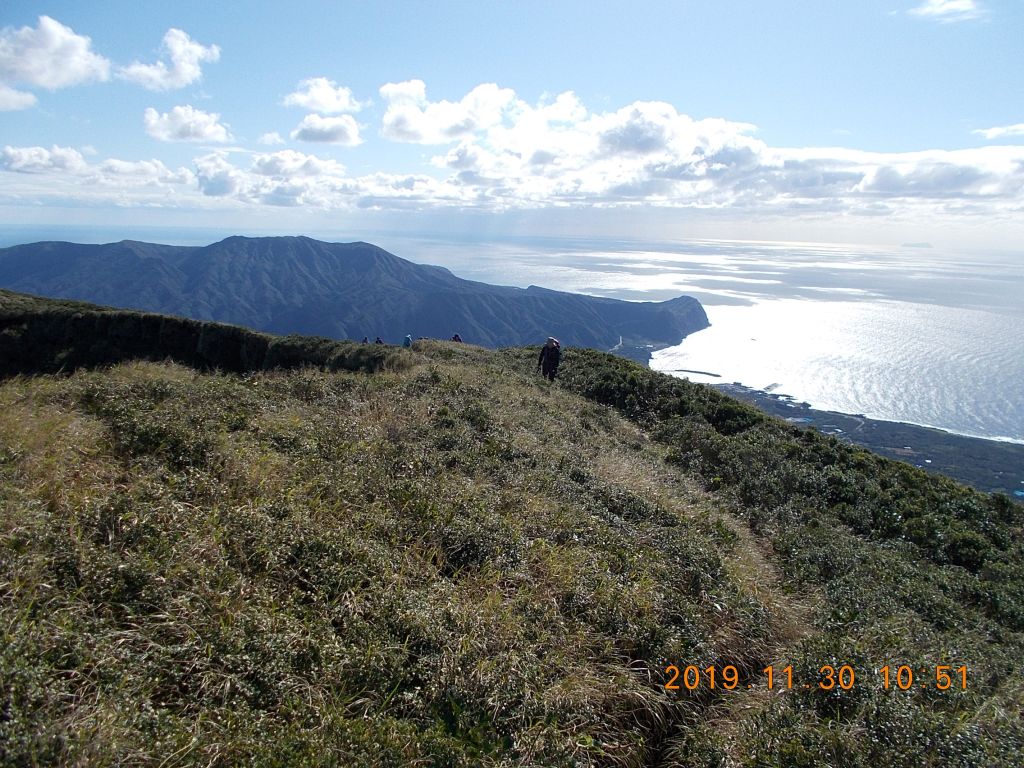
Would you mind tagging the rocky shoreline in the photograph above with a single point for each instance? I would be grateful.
(993, 466)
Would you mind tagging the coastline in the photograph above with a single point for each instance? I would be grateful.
(993, 466)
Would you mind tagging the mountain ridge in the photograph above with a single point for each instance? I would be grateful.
(301, 285)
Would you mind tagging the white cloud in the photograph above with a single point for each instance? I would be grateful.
(48, 56)
(330, 130)
(285, 178)
(643, 130)
(68, 161)
(12, 100)
(62, 173)
(42, 160)
(289, 163)
(270, 139)
(141, 172)
(290, 178)
(409, 117)
(319, 94)
(185, 123)
(558, 151)
(948, 11)
(992, 175)
(1001, 131)
(186, 56)
(216, 176)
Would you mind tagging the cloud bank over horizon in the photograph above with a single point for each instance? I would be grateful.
(493, 150)
(489, 150)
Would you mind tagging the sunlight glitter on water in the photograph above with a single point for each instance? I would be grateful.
(904, 334)
(898, 361)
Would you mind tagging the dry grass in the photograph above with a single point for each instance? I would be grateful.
(451, 564)
(246, 562)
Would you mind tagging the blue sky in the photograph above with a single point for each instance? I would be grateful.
(876, 121)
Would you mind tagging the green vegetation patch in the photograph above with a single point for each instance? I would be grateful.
(50, 336)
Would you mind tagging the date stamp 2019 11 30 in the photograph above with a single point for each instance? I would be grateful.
(902, 677)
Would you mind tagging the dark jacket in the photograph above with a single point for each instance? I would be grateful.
(548, 360)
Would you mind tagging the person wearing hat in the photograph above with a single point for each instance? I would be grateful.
(550, 354)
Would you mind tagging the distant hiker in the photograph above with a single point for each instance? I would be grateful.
(379, 340)
(457, 338)
(366, 340)
(407, 341)
(550, 354)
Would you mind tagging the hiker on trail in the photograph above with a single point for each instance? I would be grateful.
(366, 340)
(407, 341)
(457, 338)
(379, 340)
(550, 354)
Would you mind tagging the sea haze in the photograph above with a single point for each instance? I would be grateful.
(910, 334)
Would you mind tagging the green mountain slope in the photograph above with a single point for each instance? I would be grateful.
(440, 559)
(336, 290)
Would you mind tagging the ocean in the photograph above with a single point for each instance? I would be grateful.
(906, 334)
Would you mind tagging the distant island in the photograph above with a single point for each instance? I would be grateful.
(299, 285)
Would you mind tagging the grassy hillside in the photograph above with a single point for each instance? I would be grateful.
(447, 561)
(908, 569)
